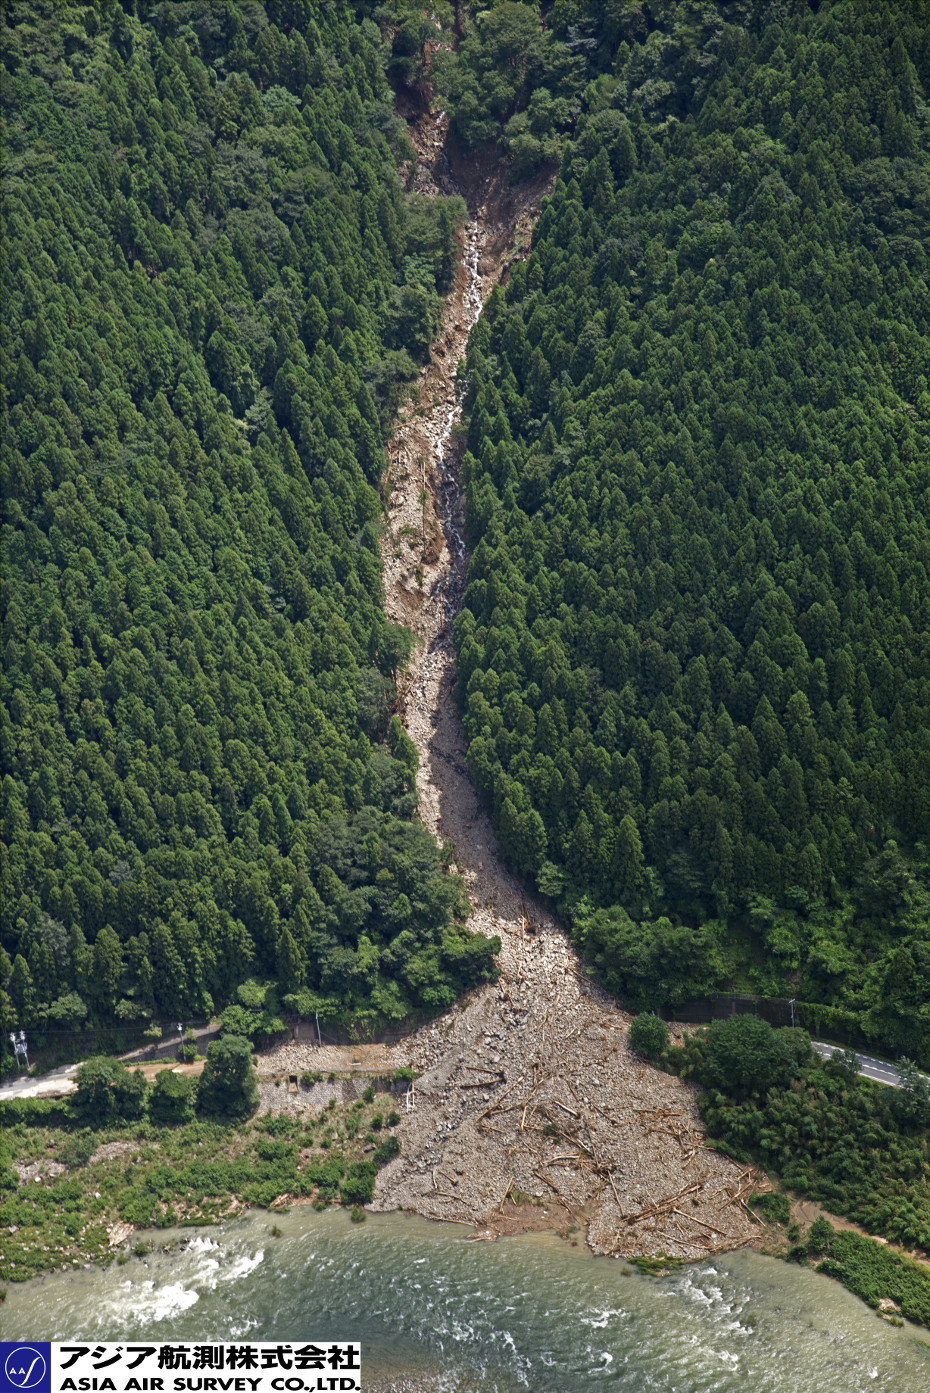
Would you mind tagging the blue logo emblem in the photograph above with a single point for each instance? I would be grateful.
(24, 1368)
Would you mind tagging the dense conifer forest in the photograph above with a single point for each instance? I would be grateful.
(214, 293)
(694, 652)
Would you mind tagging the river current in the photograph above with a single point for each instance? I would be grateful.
(530, 1313)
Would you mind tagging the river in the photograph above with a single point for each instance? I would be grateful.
(530, 1313)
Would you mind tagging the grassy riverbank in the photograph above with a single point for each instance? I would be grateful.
(891, 1282)
(72, 1194)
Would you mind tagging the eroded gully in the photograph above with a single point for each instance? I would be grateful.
(531, 1112)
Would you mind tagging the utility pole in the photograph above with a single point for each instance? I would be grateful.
(319, 1038)
(791, 1004)
(19, 1045)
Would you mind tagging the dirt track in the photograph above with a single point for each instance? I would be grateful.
(530, 1110)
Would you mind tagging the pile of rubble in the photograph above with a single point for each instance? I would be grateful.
(531, 1101)
(529, 1108)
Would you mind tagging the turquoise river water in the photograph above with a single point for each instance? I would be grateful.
(434, 1310)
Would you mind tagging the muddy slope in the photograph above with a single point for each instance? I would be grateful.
(530, 1110)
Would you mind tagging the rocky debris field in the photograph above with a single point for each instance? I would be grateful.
(529, 1109)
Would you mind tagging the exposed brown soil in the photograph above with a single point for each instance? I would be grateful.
(530, 1111)
(153, 1069)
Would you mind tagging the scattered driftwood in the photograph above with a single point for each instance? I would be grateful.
(692, 1219)
(566, 1109)
(654, 1210)
(616, 1196)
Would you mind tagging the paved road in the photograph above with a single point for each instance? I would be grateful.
(59, 1080)
(878, 1069)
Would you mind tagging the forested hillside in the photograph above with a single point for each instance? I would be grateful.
(214, 292)
(694, 653)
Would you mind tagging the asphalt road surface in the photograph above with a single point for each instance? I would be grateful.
(62, 1080)
(878, 1069)
(59, 1080)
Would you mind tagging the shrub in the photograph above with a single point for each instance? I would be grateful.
(369, 1094)
(275, 1124)
(388, 1148)
(270, 1150)
(872, 1272)
(130, 1093)
(326, 1174)
(819, 1236)
(774, 1208)
(172, 1098)
(359, 1183)
(77, 1149)
(649, 1036)
(393, 1118)
(9, 1180)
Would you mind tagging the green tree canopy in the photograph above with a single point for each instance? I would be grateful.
(228, 1086)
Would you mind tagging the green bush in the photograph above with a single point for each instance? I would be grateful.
(77, 1149)
(874, 1271)
(649, 1036)
(275, 1124)
(359, 1183)
(171, 1099)
(819, 1236)
(773, 1207)
(326, 1174)
(270, 1150)
(9, 1179)
(130, 1092)
(389, 1148)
